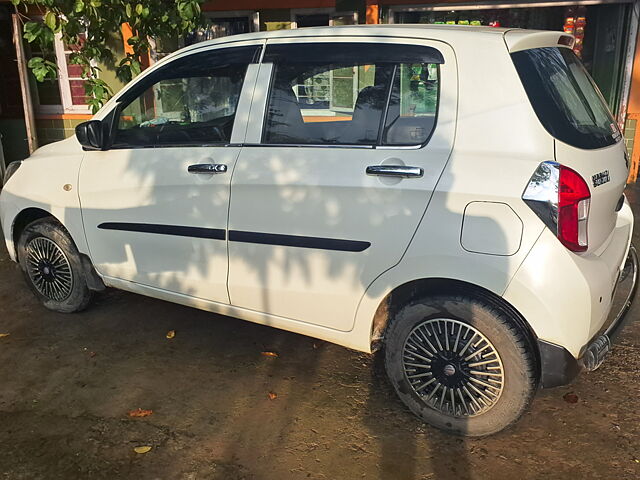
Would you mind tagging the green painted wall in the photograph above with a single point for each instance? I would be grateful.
(50, 131)
(108, 71)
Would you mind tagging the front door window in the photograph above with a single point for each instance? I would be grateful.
(191, 103)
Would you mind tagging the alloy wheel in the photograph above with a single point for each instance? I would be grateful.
(49, 269)
(453, 367)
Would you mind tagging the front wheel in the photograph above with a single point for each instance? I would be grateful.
(52, 266)
(460, 364)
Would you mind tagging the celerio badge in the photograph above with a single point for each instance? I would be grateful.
(601, 178)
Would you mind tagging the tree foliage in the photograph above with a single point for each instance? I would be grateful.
(87, 26)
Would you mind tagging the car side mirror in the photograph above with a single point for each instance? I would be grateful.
(91, 135)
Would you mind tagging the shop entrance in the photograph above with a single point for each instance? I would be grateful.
(601, 31)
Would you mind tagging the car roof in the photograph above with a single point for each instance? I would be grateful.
(446, 33)
(434, 32)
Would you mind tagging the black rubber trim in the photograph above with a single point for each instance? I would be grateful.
(298, 241)
(557, 366)
(94, 281)
(240, 236)
(257, 54)
(180, 231)
(350, 52)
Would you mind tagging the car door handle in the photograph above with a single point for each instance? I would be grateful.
(207, 168)
(402, 171)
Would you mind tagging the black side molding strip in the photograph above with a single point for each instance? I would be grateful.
(298, 241)
(240, 236)
(198, 232)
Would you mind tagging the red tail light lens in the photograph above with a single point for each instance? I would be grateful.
(561, 198)
(573, 210)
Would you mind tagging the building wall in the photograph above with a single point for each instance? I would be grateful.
(52, 128)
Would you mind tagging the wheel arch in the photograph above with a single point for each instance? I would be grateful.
(414, 289)
(24, 218)
(31, 214)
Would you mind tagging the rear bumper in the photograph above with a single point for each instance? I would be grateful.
(559, 367)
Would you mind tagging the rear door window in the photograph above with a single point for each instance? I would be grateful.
(565, 98)
(352, 94)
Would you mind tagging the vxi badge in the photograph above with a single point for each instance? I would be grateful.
(600, 178)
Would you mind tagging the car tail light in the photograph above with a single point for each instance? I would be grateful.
(561, 198)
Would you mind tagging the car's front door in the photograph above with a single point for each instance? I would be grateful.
(342, 155)
(155, 204)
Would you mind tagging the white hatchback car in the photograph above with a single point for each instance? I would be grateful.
(451, 194)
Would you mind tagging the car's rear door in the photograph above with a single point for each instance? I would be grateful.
(155, 204)
(342, 155)
(571, 108)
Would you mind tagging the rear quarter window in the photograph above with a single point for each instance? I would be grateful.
(565, 98)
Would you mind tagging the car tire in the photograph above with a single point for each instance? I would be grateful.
(52, 266)
(487, 398)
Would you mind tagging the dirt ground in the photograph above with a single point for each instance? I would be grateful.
(68, 381)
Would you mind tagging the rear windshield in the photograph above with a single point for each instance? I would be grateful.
(565, 98)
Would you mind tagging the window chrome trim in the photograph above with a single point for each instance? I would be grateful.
(172, 145)
(309, 145)
(402, 147)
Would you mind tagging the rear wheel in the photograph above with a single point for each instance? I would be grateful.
(52, 266)
(460, 364)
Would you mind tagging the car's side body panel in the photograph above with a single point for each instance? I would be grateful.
(324, 192)
(48, 181)
(150, 220)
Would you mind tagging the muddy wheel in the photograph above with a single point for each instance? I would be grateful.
(52, 266)
(460, 364)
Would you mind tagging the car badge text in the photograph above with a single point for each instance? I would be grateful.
(601, 178)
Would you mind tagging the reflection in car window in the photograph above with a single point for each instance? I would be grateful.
(335, 104)
(192, 104)
(343, 103)
(413, 105)
(565, 98)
